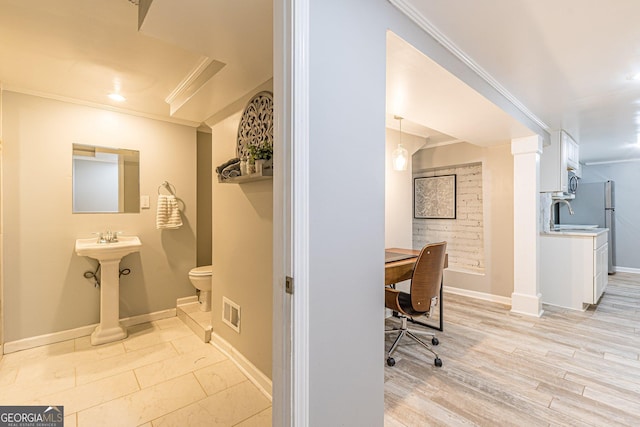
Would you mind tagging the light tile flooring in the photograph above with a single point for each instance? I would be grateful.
(161, 375)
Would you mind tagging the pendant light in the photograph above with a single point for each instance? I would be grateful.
(400, 156)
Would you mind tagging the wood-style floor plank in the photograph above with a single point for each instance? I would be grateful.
(567, 368)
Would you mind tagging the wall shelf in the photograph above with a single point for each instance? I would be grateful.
(247, 178)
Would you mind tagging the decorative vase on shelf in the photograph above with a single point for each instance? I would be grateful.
(268, 164)
(259, 165)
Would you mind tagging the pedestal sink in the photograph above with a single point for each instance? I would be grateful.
(109, 256)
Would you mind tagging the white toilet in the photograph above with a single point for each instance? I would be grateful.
(201, 278)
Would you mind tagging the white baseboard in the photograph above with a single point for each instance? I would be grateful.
(186, 300)
(149, 317)
(478, 295)
(254, 374)
(627, 270)
(83, 331)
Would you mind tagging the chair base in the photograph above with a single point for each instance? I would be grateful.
(412, 334)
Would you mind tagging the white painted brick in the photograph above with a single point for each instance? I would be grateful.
(464, 235)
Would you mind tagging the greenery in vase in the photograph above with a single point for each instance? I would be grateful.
(262, 151)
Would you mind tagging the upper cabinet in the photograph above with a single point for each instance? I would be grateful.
(561, 156)
(572, 150)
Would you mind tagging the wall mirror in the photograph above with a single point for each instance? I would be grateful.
(105, 180)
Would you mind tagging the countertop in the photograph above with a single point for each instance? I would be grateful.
(591, 232)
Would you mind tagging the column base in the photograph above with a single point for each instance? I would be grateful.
(103, 336)
(530, 305)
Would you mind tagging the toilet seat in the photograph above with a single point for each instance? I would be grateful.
(205, 270)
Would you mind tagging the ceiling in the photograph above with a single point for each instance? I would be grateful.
(567, 62)
(428, 97)
(187, 61)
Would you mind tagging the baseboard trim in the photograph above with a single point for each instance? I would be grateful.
(149, 317)
(478, 295)
(83, 331)
(254, 374)
(627, 270)
(186, 300)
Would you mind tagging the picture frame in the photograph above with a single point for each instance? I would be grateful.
(434, 197)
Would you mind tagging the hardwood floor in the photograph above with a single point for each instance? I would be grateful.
(501, 369)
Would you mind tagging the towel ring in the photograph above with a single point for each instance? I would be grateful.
(168, 186)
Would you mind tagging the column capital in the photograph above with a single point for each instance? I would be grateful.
(526, 145)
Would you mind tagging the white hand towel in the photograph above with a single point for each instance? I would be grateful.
(168, 213)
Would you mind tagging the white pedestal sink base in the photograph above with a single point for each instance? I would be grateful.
(109, 329)
(102, 336)
(109, 256)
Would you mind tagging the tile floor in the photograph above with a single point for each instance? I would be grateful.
(161, 375)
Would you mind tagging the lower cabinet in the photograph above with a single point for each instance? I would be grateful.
(601, 274)
(573, 268)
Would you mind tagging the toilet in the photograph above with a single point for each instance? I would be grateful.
(201, 278)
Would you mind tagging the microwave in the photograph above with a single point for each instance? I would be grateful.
(573, 183)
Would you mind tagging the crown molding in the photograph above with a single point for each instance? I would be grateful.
(406, 7)
(168, 119)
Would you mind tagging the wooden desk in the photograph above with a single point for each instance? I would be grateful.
(399, 271)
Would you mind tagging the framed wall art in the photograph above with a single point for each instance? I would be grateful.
(434, 197)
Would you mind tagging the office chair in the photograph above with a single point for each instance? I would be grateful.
(423, 295)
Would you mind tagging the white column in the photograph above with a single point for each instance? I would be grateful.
(526, 298)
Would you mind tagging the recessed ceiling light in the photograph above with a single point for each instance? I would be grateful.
(117, 97)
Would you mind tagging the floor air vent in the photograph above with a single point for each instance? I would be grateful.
(231, 314)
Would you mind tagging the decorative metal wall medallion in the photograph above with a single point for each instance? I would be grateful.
(256, 124)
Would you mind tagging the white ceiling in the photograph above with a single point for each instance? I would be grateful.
(567, 61)
(425, 94)
(85, 49)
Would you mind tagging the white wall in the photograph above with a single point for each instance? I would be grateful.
(497, 196)
(346, 217)
(398, 200)
(346, 107)
(627, 233)
(44, 287)
(242, 248)
(1, 233)
(205, 180)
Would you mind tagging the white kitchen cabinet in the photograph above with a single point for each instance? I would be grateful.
(572, 150)
(562, 155)
(601, 274)
(573, 267)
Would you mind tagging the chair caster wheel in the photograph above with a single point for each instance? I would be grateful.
(435, 341)
(391, 361)
(437, 362)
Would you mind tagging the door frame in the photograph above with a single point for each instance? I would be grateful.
(291, 213)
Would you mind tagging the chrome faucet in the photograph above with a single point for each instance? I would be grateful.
(552, 217)
(108, 237)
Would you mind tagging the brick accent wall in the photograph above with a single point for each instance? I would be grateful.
(465, 234)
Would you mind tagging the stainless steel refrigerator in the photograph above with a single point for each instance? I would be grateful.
(594, 204)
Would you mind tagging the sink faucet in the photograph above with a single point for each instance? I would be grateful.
(552, 219)
(108, 237)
